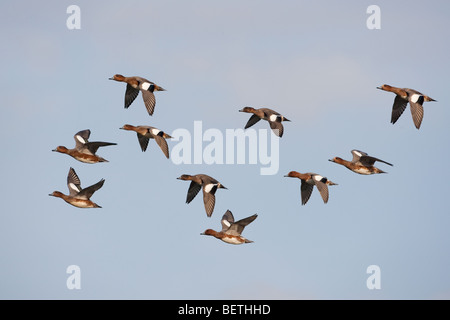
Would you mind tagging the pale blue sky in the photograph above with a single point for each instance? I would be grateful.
(314, 62)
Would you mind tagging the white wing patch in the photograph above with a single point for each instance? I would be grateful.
(415, 97)
(226, 222)
(357, 153)
(80, 138)
(145, 85)
(74, 187)
(273, 117)
(317, 177)
(155, 131)
(208, 187)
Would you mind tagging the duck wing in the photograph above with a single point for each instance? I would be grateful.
(162, 143)
(73, 182)
(143, 141)
(89, 191)
(237, 227)
(149, 100)
(277, 128)
(305, 191)
(323, 189)
(130, 95)
(357, 155)
(81, 138)
(92, 147)
(417, 112)
(253, 119)
(227, 220)
(369, 161)
(398, 108)
(193, 190)
(209, 198)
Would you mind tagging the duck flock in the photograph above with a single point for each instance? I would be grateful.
(86, 151)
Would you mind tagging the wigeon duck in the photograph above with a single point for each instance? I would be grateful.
(231, 231)
(210, 186)
(136, 84)
(273, 117)
(309, 180)
(361, 163)
(78, 196)
(84, 150)
(403, 96)
(144, 133)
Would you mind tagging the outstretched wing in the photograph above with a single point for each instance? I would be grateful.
(253, 119)
(323, 190)
(305, 191)
(209, 199)
(162, 143)
(227, 220)
(237, 227)
(130, 94)
(93, 146)
(149, 100)
(398, 108)
(417, 112)
(357, 155)
(143, 141)
(73, 182)
(81, 138)
(369, 161)
(193, 190)
(89, 191)
(277, 128)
